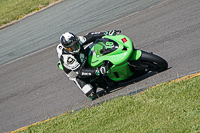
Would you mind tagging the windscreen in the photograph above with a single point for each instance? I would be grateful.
(104, 46)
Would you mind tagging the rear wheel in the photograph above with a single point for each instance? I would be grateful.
(152, 62)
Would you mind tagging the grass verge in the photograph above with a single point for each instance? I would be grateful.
(173, 107)
(15, 9)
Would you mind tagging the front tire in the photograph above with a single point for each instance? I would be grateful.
(153, 62)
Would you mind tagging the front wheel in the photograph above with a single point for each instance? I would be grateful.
(152, 62)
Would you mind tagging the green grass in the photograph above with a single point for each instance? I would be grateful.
(14, 9)
(168, 108)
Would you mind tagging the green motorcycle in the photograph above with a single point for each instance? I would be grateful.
(122, 60)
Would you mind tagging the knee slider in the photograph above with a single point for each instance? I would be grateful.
(87, 89)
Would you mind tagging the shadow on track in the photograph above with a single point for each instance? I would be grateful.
(123, 84)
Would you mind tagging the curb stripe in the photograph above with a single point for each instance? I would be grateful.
(175, 80)
(26, 127)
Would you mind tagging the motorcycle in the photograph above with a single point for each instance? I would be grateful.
(122, 61)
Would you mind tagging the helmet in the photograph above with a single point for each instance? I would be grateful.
(70, 42)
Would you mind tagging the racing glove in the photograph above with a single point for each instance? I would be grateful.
(101, 71)
(112, 32)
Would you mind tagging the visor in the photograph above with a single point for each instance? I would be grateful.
(73, 47)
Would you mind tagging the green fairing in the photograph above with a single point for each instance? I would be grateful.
(117, 57)
(116, 49)
(121, 72)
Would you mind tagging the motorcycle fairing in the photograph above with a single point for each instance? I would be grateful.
(110, 48)
(115, 49)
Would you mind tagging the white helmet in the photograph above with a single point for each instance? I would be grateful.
(70, 42)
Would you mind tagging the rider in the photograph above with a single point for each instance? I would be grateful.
(73, 59)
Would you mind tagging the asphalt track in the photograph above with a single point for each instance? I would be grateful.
(33, 89)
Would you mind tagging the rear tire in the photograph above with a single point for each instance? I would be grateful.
(153, 62)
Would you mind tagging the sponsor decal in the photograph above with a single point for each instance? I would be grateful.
(70, 60)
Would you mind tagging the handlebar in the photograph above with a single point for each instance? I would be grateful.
(118, 32)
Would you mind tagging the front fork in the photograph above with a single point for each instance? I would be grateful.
(134, 61)
(136, 54)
